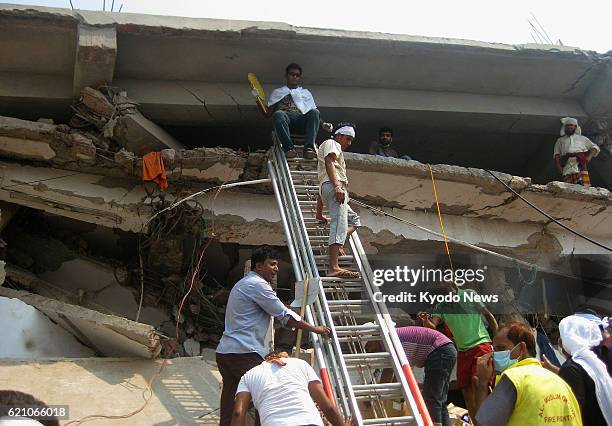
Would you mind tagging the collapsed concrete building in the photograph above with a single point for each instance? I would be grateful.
(84, 95)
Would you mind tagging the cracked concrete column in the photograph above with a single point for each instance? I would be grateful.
(96, 52)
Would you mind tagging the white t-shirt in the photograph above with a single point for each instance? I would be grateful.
(280, 394)
(326, 148)
(572, 144)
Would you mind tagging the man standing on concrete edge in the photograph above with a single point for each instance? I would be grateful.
(573, 152)
(293, 107)
(251, 303)
(334, 193)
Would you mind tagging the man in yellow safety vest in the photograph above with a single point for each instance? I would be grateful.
(525, 393)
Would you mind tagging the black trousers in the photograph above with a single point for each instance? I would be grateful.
(232, 367)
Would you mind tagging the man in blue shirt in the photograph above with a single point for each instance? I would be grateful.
(251, 303)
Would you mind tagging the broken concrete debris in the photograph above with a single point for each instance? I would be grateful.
(105, 334)
(116, 117)
(86, 264)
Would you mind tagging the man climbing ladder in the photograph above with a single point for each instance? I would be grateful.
(333, 185)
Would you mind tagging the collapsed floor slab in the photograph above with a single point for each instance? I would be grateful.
(185, 391)
(29, 334)
(107, 335)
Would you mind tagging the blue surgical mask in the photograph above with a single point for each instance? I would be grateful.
(502, 360)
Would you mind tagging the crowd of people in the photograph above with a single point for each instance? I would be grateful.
(498, 371)
(293, 109)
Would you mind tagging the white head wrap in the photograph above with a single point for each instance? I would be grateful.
(570, 120)
(346, 130)
(578, 336)
(593, 318)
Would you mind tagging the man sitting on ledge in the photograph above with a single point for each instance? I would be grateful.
(293, 107)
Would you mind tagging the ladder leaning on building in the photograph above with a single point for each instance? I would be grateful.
(350, 375)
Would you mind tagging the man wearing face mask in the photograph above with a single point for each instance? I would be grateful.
(573, 152)
(525, 393)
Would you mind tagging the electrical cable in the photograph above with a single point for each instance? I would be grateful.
(547, 215)
(148, 391)
(433, 183)
(475, 247)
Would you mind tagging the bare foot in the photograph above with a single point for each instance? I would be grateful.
(322, 219)
(341, 252)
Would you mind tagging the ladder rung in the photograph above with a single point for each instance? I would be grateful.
(402, 420)
(344, 290)
(367, 356)
(348, 302)
(341, 280)
(378, 390)
(346, 330)
(304, 172)
(314, 187)
(355, 339)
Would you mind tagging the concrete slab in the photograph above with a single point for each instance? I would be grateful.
(184, 392)
(29, 334)
(105, 334)
(140, 135)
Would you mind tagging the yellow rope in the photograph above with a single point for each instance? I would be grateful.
(433, 183)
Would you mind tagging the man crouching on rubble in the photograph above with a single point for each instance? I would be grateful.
(333, 187)
(251, 303)
(283, 390)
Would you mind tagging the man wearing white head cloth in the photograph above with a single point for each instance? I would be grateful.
(333, 188)
(584, 372)
(573, 152)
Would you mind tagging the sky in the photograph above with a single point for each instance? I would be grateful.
(585, 24)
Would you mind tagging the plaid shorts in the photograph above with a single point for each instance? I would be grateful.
(581, 178)
(341, 215)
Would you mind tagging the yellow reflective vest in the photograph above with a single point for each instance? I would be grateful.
(542, 397)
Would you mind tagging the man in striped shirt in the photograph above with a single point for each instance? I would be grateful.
(431, 349)
(428, 348)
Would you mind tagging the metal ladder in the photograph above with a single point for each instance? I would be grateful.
(350, 375)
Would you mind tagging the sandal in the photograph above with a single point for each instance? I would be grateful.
(344, 273)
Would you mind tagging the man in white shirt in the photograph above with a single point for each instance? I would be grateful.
(293, 107)
(573, 152)
(333, 187)
(284, 391)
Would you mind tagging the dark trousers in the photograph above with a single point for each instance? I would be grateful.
(232, 367)
(307, 124)
(438, 368)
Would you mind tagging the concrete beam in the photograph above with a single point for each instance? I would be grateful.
(140, 135)
(597, 100)
(42, 142)
(106, 334)
(201, 103)
(96, 53)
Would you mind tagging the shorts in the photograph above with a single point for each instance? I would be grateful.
(466, 363)
(341, 215)
(581, 178)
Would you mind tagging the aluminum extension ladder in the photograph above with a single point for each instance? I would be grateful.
(350, 375)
